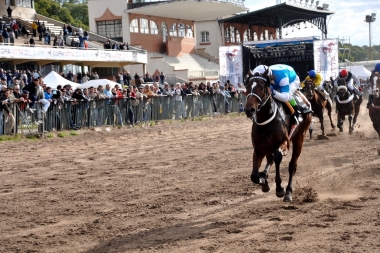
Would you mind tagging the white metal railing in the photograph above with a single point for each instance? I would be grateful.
(203, 73)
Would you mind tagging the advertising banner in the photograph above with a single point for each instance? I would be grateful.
(231, 64)
(326, 58)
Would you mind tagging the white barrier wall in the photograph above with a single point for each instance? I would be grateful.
(75, 55)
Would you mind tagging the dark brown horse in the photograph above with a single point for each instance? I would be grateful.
(374, 109)
(269, 135)
(318, 104)
(346, 105)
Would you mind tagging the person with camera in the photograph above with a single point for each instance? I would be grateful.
(79, 104)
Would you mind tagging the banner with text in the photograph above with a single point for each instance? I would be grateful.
(326, 58)
(231, 64)
(63, 54)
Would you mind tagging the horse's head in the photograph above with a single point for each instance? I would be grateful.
(258, 92)
(309, 88)
(342, 87)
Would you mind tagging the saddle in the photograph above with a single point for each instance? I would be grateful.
(286, 110)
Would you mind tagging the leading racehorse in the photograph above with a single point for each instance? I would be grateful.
(318, 104)
(374, 108)
(269, 135)
(346, 105)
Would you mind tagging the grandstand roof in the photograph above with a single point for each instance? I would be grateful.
(281, 16)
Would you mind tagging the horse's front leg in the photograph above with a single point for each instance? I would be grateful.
(322, 125)
(351, 129)
(257, 160)
(264, 175)
(340, 120)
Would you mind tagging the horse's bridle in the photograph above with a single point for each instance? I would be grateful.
(262, 103)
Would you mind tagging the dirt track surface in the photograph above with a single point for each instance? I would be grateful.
(185, 187)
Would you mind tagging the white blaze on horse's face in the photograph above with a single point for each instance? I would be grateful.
(375, 89)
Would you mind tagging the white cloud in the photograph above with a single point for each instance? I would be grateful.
(347, 22)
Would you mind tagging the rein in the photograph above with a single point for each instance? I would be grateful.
(376, 106)
(268, 120)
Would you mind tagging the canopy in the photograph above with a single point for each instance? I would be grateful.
(53, 79)
(95, 83)
(359, 71)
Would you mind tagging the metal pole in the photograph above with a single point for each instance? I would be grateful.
(370, 46)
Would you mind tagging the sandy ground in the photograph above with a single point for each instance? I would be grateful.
(185, 187)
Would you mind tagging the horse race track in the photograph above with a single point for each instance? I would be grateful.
(185, 187)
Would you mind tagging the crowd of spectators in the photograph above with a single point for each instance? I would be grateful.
(108, 44)
(126, 103)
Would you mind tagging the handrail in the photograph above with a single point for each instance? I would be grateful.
(90, 33)
(64, 47)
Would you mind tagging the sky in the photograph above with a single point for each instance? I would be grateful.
(347, 23)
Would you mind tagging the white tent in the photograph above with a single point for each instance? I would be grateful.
(95, 83)
(53, 79)
(359, 71)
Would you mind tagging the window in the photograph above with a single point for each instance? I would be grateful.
(255, 37)
(232, 34)
(153, 27)
(248, 35)
(266, 35)
(173, 30)
(189, 32)
(205, 37)
(237, 36)
(227, 36)
(164, 29)
(111, 29)
(181, 30)
(144, 26)
(134, 26)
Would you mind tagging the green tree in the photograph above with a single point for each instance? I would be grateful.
(54, 9)
(78, 11)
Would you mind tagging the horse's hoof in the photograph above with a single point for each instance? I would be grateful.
(265, 187)
(288, 198)
(280, 194)
(340, 129)
(255, 180)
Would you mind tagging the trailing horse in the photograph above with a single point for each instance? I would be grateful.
(318, 104)
(346, 105)
(269, 134)
(374, 108)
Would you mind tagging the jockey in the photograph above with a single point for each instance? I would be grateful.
(284, 81)
(349, 78)
(317, 80)
(374, 76)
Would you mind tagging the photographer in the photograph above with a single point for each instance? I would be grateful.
(80, 102)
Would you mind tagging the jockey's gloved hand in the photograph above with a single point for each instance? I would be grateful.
(273, 91)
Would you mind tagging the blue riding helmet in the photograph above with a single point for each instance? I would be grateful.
(377, 67)
(312, 74)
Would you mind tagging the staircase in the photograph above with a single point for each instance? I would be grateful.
(188, 66)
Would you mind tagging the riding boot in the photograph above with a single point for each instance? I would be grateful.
(355, 93)
(295, 120)
(370, 99)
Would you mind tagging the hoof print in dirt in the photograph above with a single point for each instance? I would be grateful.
(322, 137)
